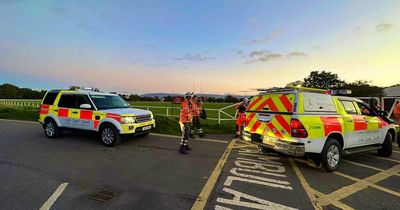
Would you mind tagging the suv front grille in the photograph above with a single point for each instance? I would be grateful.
(143, 118)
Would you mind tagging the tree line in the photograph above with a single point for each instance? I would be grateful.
(331, 81)
(8, 91)
(316, 79)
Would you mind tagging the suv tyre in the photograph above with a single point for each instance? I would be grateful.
(51, 129)
(109, 136)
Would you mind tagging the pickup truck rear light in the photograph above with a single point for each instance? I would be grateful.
(297, 129)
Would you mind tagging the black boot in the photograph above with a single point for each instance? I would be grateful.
(201, 135)
(183, 150)
(192, 136)
(187, 147)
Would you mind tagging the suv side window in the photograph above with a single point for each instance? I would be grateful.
(67, 101)
(83, 99)
(349, 107)
(50, 97)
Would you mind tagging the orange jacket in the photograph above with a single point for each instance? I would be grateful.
(196, 109)
(396, 110)
(186, 111)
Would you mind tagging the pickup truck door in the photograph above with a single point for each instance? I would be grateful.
(372, 133)
(354, 123)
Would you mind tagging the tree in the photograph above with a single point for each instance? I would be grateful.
(323, 80)
(295, 83)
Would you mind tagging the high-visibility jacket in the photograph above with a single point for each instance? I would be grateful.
(196, 109)
(396, 110)
(186, 111)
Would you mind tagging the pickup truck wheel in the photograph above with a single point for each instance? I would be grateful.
(109, 136)
(331, 155)
(386, 150)
(51, 129)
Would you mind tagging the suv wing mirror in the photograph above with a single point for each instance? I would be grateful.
(85, 106)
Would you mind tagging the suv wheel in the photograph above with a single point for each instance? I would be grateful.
(51, 129)
(386, 150)
(331, 155)
(109, 136)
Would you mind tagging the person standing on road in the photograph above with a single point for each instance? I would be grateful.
(185, 119)
(396, 112)
(241, 116)
(196, 122)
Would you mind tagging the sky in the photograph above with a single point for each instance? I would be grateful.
(209, 46)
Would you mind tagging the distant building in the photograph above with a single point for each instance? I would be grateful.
(392, 90)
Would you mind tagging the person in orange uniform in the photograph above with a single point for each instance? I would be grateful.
(396, 112)
(196, 123)
(185, 120)
(241, 116)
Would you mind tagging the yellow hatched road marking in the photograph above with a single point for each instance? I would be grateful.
(383, 158)
(369, 184)
(306, 186)
(362, 184)
(366, 166)
(212, 180)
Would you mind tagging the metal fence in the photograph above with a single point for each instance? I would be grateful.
(386, 104)
(218, 114)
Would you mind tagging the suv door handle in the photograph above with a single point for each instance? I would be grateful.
(349, 120)
(75, 112)
(56, 110)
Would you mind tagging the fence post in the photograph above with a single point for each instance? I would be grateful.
(219, 116)
(167, 111)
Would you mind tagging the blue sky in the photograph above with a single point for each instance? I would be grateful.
(221, 46)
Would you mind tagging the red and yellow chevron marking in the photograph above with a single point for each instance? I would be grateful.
(279, 125)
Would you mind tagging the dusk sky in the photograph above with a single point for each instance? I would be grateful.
(221, 46)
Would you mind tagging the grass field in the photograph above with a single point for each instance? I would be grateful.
(174, 109)
(165, 125)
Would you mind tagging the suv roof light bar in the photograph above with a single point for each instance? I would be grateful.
(84, 88)
(291, 88)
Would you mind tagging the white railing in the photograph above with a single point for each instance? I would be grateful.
(21, 102)
(221, 113)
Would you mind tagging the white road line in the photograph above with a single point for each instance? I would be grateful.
(178, 137)
(47, 205)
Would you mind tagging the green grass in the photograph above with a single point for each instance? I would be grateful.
(165, 125)
(174, 109)
(26, 113)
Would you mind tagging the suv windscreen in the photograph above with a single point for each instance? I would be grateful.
(109, 102)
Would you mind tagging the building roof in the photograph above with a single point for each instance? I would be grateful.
(392, 91)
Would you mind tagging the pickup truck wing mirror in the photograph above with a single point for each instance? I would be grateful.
(383, 113)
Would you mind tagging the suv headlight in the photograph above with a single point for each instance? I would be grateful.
(128, 120)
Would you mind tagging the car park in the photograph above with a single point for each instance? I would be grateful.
(89, 109)
(312, 123)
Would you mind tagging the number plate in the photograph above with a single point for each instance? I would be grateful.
(146, 128)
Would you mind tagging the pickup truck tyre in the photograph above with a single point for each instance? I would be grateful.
(386, 150)
(109, 136)
(331, 155)
(51, 129)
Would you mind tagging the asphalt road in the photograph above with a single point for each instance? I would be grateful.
(149, 173)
